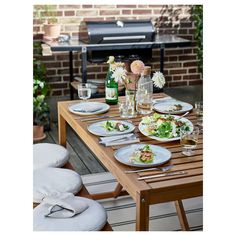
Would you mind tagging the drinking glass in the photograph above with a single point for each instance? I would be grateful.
(188, 141)
(84, 91)
(199, 113)
(127, 109)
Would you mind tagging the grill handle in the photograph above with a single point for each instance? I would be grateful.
(124, 37)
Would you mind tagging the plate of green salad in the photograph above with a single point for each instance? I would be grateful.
(164, 128)
(111, 127)
(142, 155)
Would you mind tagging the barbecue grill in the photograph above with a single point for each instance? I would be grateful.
(118, 33)
(127, 40)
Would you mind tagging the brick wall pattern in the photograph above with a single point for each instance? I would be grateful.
(180, 66)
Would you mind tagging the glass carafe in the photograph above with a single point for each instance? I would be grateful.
(145, 92)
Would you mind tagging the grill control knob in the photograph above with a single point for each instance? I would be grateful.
(120, 23)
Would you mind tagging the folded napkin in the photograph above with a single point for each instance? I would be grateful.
(115, 137)
(86, 107)
(64, 205)
(129, 141)
(119, 139)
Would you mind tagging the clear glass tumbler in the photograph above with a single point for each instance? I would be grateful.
(199, 113)
(189, 140)
(84, 91)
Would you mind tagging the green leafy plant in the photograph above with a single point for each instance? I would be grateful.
(197, 13)
(40, 90)
(41, 110)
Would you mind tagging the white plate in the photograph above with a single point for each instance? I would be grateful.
(165, 105)
(143, 126)
(161, 155)
(98, 129)
(89, 108)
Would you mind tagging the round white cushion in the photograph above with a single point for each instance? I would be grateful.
(92, 219)
(49, 180)
(49, 155)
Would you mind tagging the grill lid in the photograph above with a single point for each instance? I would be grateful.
(120, 31)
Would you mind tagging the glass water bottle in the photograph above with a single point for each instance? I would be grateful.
(145, 92)
(111, 89)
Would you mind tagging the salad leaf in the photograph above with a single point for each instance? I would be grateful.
(156, 116)
(111, 126)
(164, 130)
(146, 148)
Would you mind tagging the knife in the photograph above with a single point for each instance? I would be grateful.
(99, 117)
(163, 175)
(87, 111)
(165, 168)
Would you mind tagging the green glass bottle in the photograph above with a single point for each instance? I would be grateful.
(111, 89)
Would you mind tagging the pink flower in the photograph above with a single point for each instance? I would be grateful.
(137, 67)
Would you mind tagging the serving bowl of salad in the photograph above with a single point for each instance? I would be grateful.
(164, 128)
(142, 155)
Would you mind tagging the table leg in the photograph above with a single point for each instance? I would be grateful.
(142, 212)
(182, 216)
(113, 194)
(61, 130)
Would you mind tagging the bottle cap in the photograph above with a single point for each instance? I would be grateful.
(147, 70)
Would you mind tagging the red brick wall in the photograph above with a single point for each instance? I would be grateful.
(180, 64)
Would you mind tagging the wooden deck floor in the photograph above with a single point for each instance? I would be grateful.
(83, 161)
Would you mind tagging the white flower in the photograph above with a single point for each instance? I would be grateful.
(119, 74)
(158, 79)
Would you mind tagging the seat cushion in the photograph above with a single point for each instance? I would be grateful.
(49, 180)
(49, 155)
(92, 219)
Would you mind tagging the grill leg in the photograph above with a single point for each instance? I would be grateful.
(162, 53)
(71, 74)
(84, 64)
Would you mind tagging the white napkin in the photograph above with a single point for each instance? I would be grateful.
(114, 137)
(119, 139)
(135, 140)
(64, 205)
(87, 107)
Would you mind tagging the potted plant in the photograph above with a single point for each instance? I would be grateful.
(40, 106)
(41, 117)
(48, 14)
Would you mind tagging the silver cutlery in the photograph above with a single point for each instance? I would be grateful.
(87, 111)
(165, 168)
(163, 175)
(132, 137)
(115, 138)
(186, 113)
(99, 117)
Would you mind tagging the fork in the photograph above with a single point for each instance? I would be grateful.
(163, 169)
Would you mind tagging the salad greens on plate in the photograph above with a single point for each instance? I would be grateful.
(165, 126)
(143, 155)
(114, 126)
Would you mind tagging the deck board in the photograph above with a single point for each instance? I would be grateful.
(82, 160)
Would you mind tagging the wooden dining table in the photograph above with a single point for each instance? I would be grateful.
(144, 192)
